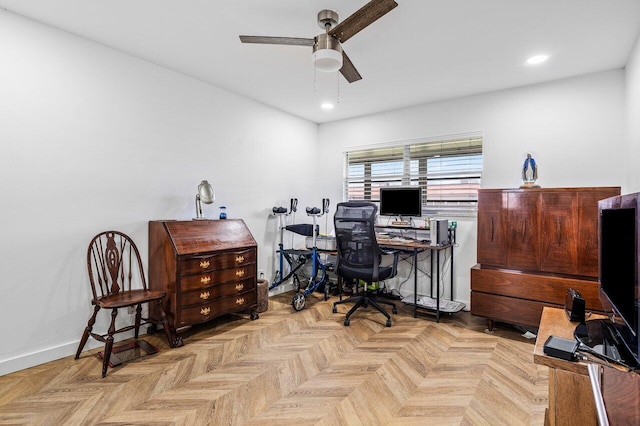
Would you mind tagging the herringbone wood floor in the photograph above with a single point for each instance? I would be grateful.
(302, 368)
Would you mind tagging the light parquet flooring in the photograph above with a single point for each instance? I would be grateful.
(298, 368)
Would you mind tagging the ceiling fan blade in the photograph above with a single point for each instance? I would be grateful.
(361, 18)
(348, 71)
(291, 41)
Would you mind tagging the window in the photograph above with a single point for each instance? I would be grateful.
(448, 171)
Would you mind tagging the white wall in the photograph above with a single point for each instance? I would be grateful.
(92, 139)
(633, 119)
(574, 127)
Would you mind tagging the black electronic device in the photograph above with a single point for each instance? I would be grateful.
(403, 201)
(439, 232)
(618, 266)
(560, 347)
(574, 306)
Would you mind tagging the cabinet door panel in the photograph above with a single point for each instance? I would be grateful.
(559, 237)
(492, 228)
(524, 230)
(588, 234)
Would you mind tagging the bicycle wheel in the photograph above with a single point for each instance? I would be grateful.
(298, 302)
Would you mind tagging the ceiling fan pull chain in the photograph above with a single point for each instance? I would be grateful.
(315, 80)
(338, 83)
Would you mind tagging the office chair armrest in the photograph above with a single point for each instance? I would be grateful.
(389, 252)
(395, 254)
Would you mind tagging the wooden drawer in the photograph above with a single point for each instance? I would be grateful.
(215, 291)
(197, 282)
(207, 311)
(545, 288)
(213, 261)
(507, 309)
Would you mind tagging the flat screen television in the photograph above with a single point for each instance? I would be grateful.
(403, 201)
(618, 264)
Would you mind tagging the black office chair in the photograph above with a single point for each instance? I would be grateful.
(359, 255)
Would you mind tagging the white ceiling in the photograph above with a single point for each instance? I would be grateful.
(422, 51)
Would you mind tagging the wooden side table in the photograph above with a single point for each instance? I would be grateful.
(570, 397)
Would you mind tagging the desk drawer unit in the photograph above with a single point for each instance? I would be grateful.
(208, 269)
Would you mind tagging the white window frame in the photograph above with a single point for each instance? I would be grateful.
(460, 157)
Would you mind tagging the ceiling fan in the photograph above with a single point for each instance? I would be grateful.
(328, 54)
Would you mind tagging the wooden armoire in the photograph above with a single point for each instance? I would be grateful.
(534, 244)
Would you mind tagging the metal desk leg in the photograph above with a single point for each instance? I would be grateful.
(415, 283)
(452, 273)
(431, 272)
(437, 285)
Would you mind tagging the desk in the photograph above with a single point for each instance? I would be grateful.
(415, 247)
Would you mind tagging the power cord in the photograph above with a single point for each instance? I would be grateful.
(597, 357)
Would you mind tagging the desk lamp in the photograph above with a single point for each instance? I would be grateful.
(205, 195)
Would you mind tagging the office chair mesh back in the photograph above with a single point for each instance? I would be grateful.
(358, 251)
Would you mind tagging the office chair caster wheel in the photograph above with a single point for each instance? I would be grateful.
(347, 322)
(296, 284)
(327, 290)
(394, 310)
(335, 310)
(298, 302)
(388, 323)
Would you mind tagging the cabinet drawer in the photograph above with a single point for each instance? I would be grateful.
(544, 288)
(507, 309)
(197, 282)
(207, 311)
(211, 262)
(216, 291)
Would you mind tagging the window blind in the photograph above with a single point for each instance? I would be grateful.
(448, 171)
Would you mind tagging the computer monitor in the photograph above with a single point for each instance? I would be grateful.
(403, 201)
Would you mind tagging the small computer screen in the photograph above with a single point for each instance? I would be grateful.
(401, 201)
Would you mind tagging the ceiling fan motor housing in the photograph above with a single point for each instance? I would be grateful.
(327, 53)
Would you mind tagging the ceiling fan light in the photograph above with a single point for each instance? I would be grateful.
(327, 60)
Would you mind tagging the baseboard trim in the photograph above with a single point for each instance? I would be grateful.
(12, 365)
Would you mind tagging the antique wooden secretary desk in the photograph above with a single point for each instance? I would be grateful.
(207, 267)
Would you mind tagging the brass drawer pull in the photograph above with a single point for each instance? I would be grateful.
(240, 273)
(239, 259)
(205, 311)
(205, 280)
(239, 286)
(205, 264)
(205, 295)
(240, 301)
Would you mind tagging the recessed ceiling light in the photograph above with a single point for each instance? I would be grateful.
(538, 59)
(327, 106)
